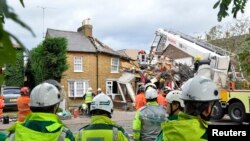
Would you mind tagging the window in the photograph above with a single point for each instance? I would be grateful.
(114, 65)
(111, 87)
(162, 44)
(77, 88)
(78, 64)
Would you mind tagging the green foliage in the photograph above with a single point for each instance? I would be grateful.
(14, 73)
(49, 60)
(8, 54)
(36, 65)
(54, 58)
(244, 56)
(237, 5)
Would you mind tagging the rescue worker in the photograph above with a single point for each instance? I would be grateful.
(23, 104)
(175, 104)
(42, 124)
(101, 128)
(99, 90)
(147, 122)
(150, 85)
(174, 107)
(197, 60)
(140, 99)
(199, 95)
(161, 98)
(1, 107)
(88, 97)
(166, 90)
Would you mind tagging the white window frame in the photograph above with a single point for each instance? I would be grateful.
(109, 87)
(77, 92)
(78, 64)
(116, 70)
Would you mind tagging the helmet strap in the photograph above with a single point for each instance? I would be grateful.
(207, 118)
(56, 108)
(171, 109)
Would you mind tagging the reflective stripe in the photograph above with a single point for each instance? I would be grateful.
(23, 103)
(80, 135)
(88, 97)
(11, 137)
(21, 116)
(62, 137)
(26, 109)
(115, 134)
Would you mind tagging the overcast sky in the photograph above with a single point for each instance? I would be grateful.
(118, 23)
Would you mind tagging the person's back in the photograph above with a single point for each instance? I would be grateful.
(151, 116)
(161, 100)
(42, 124)
(40, 127)
(174, 108)
(88, 97)
(146, 125)
(1, 107)
(23, 104)
(140, 99)
(199, 95)
(186, 128)
(101, 127)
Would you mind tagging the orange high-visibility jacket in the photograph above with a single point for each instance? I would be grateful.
(23, 105)
(140, 100)
(161, 100)
(1, 102)
(1, 106)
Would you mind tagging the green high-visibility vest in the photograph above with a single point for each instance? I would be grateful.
(187, 128)
(88, 97)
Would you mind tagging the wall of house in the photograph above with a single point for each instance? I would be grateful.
(105, 71)
(89, 73)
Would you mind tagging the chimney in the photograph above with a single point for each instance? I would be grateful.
(86, 28)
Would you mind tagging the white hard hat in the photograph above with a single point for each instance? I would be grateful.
(166, 88)
(99, 89)
(44, 95)
(151, 94)
(175, 96)
(199, 89)
(102, 102)
(150, 85)
(89, 89)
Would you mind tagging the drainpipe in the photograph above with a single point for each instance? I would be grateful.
(97, 67)
(97, 61)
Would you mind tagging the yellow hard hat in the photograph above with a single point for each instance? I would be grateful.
(197, 57)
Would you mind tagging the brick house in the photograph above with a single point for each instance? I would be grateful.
(91, 64)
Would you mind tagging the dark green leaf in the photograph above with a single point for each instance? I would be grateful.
(216, 4)
(21, 1)
(6, 50)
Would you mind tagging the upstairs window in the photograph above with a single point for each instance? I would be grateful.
(78, 64)
(115, 65)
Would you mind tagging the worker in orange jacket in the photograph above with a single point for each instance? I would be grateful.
(23, 104)
(161, 98)
(140, 100)
(1, 106)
